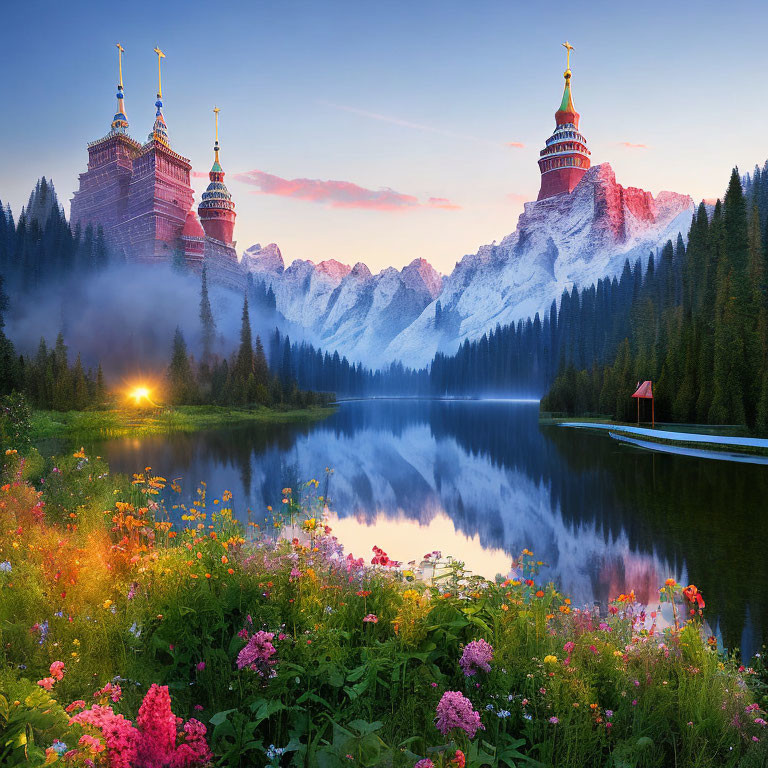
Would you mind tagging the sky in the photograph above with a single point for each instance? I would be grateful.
(384, 132)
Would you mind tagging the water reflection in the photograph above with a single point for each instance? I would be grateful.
(482, 480)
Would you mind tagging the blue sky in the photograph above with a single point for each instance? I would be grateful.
(421, 98)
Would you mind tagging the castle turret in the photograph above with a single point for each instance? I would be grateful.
(101, 197)
(565, 157)
(216, 209)
(159, 129)
(120, 121)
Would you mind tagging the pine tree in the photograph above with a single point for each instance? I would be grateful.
(207, 320)
(181, 388)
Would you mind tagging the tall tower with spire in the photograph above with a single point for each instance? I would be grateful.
(160, 193)
(565, 157)
(216, 209)
(101, 197)
(142, 197)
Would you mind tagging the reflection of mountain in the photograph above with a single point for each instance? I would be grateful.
(606, 518)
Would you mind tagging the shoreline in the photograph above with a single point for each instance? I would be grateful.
(729, 447)
(137, 422)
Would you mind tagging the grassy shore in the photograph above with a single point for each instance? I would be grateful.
(119, 422)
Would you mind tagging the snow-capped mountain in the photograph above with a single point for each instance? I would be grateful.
(559, 242)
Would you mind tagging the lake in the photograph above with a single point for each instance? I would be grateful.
(481, 480)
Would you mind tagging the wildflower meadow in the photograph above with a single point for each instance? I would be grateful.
(137, 633)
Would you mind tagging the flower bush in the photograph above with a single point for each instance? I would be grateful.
(137, 632)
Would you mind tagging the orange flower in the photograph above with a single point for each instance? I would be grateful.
(539, 594)
(692, 595)
(670, 582)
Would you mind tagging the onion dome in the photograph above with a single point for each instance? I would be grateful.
(192, 226)
(159, 129)
(567, 113)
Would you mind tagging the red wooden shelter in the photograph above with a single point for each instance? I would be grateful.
(644, 391)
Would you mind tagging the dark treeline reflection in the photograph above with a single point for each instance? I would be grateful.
(615, 516)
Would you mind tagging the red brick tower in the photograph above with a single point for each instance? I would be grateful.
(216, 209)
(101, 197)
(565, 158)
(160, 193)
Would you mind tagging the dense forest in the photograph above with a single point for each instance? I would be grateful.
(698, 325)
(692, 317)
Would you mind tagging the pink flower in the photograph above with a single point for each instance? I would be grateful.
(553, 720)
(120, 737)
(569, 646)
(424, 763)
(47, 683)
(371, 618)
(158, 727)
(200, 666)
(477, 657)
(257, 654)
(57, 670)
(455, 711)
(593, 649)
(198, 707)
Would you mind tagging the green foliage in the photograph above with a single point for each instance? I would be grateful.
(15, 423)
(699, 326)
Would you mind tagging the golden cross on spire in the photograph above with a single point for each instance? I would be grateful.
(216, 111)
(120, 52)
(160, 55)
(568, 48)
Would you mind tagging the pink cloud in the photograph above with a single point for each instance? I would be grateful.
(443, 203)
(336, 194)
(517, 197)
(198, 175)
(630, 145)
(515, 144)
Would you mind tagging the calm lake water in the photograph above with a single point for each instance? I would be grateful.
(483, 480)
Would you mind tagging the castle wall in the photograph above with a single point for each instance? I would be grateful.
(560, 181)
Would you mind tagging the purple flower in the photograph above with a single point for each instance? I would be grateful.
(200, 666)
(476, 657)
(455, 711)
(553, 720)
(425, 763)
(258, 652)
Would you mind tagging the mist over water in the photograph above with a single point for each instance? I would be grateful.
(482, 480)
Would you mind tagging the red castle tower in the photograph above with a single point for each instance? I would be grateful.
(216, 209)
(142, 197)
(565, 158)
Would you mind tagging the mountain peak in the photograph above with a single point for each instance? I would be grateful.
(267, 259)
(421, 275)
(334, 269)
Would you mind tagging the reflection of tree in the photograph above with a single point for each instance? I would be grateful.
(706, 513)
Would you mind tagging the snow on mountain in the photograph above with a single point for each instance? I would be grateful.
(561, 241)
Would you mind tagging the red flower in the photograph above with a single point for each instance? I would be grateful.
(692, 595)
(459, 760)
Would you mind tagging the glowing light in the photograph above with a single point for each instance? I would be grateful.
(140, 396)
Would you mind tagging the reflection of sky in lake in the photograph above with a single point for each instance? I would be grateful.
(482, 481)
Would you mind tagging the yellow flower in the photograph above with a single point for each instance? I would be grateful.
(411, 594)
(107, 603)
(550, 659)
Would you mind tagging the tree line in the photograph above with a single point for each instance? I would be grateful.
(698, 325)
